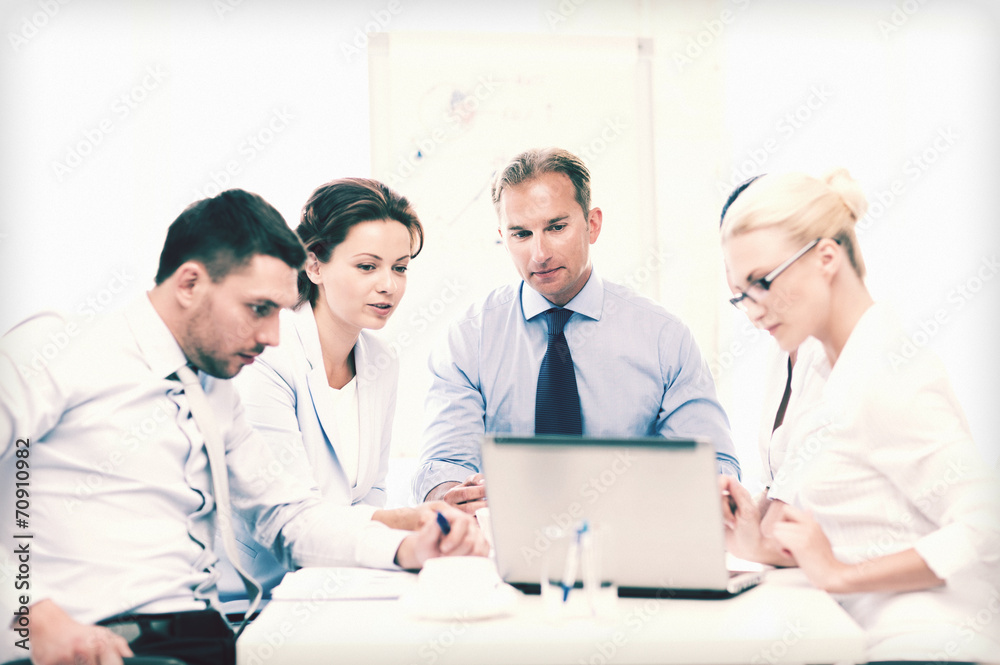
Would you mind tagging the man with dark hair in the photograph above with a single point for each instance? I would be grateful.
(124, 441)
(224, 232)
(562, 351)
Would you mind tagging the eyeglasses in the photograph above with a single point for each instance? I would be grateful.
(757, 289)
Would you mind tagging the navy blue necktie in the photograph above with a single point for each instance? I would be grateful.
(557, 402)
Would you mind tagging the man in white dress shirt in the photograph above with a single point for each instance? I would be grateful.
(120, 502)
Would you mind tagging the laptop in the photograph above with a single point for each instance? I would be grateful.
(654, 502)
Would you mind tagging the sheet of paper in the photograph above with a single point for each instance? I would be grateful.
(344, 584)
(735, 564)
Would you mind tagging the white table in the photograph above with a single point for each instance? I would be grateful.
(785, 620)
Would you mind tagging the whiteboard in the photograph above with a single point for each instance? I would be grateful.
(448, 110)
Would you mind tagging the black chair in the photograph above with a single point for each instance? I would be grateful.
(137, 660)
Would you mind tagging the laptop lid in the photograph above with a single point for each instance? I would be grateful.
(654, 501)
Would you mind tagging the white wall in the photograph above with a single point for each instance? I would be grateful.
(159, 99)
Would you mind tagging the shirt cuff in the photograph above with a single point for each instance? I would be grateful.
(780, 493)
(947, 550)
(364, 510)
(377, 547)
(432, 474)
(727, 465)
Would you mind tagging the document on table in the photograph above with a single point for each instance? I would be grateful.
(737, 565)
(344, 584)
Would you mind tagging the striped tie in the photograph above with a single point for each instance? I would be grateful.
(215, 447)
(557, 402)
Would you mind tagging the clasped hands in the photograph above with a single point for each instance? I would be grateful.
(776, 533)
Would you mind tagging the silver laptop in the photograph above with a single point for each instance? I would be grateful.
(653, 501)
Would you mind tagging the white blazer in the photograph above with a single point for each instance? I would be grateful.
(282, 394)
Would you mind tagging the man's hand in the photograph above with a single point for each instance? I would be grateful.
(463, 539)
(57, 639)
(468, 496)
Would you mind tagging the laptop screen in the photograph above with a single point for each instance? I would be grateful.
(652, 503)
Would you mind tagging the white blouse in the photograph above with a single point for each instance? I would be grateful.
(886, 462)
(348, 435)
(808, 378)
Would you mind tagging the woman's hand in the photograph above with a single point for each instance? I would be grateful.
(463, 539)
(409, 519)
(802, 538)
(741, 518)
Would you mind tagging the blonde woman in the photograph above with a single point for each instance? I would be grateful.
(882, 497)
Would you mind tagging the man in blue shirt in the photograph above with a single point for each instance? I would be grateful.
(638, 371)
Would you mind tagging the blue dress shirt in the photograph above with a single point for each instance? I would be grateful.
(638, 371)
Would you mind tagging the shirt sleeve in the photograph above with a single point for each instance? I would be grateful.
(689, 407)
(268, 403)
(288, 515)
(924, 446)
(31, 401)
(455, 411)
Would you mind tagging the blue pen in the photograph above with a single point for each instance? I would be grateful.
(443, 523)
(569, 572)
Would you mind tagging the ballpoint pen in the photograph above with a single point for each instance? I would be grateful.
(732, 507)
(443, 523)
(569, 572)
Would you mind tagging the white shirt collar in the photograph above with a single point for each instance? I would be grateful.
(157, 344)
(589, 301)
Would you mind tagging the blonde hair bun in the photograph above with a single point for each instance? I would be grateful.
(849, 190)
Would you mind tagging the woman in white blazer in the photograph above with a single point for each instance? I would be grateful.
(324, 398)
(883, 498)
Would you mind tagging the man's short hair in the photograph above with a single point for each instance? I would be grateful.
(225, 232)
(533, 163)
